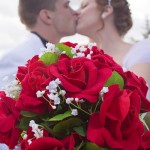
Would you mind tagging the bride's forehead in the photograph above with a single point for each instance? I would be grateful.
(87, 1)
(84, 1)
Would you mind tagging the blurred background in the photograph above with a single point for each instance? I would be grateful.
(12, 31)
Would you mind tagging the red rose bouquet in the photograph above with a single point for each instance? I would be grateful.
(74, 97)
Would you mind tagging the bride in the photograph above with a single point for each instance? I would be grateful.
(106, 22)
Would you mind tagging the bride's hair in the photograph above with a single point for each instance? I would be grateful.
(122, 14)
(29, 10)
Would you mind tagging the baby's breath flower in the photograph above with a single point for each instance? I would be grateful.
(81, 101)
(82, 49)
(40, 93)
(32, 122)
(91, 52)
(51, 96)
(53, 91)
(68, 100)
(90, 45)
(54, 107)
(74, 112)
(80, 55)
(104, 90)
(74, 51)
(62, 92)
(57, 81)
(12, 89)
(29, 141)
(50, 47)
(88, 56)
(52, 86)
(25, 136)
(38, 133)
(77, 100)
(56, 100)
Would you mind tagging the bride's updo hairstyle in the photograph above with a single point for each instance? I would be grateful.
(121, 12)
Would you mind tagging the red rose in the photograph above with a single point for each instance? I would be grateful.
(46, 143)
(132, 82)
(23, 70)
(117, 125)
(32, 82)
(70, 141)
(103, 60)
(9, 117)
(80, 77)
(145, 141)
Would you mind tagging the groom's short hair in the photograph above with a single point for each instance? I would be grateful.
(29, 9)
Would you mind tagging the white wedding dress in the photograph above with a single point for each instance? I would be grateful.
(139, 53)
(3, 147)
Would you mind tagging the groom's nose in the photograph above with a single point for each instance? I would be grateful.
(78, 11)
(75, 13)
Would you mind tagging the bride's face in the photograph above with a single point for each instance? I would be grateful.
(89, 18)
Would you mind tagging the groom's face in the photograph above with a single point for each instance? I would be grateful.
(64, 18)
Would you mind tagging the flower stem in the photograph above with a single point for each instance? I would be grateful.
(97, 104)
(81, 109)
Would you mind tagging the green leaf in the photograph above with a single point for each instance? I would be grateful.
(92, 146)
(115, 78)
(49, 58)
(46, 126)
(60, 117)
(80, 130)
(24, 123)
(63, 47)
(65, 127)
(146, 120)
(79, 147)
(28, 114)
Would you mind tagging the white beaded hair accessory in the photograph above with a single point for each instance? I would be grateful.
(109, 2)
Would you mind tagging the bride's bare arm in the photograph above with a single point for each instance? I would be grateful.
(142, 70)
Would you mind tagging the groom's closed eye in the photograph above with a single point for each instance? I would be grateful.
(67, 4)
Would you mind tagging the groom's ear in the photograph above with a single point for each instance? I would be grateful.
(45, 16)
(108, 10)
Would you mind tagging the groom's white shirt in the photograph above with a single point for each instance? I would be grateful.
(19, 55)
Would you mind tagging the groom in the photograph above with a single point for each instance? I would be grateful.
(47, 21)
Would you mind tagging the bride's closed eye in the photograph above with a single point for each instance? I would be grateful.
(83, 5)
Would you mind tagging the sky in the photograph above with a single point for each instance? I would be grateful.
(12, 31)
